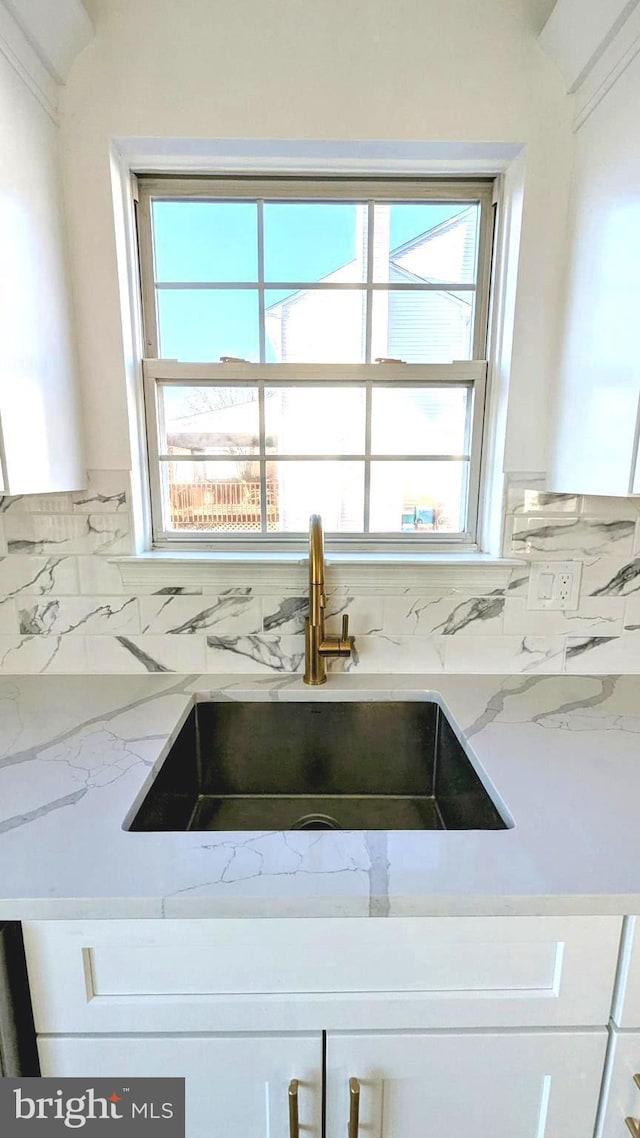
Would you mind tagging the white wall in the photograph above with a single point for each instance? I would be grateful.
(407, 72)
(40, 423)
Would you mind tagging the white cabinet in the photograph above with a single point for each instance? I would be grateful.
(532, 1085)
(493, 1085)
(40, 421)
(626, 1005)
(594, 423)
(236, 1086)
(498, 1022)
(620, 1094)
(307, 973)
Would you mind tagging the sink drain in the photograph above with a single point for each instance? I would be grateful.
(316, 822)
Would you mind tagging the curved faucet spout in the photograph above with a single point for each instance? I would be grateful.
(317, 646)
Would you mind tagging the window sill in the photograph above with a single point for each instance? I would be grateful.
(390, 571)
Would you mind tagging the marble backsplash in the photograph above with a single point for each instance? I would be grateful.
(63, 607)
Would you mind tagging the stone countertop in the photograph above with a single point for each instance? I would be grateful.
(562, 753)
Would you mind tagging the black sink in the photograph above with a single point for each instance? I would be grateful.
(317, 766)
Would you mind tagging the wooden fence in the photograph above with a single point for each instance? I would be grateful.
(222, 505)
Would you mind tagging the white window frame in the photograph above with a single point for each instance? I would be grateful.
(471, 373)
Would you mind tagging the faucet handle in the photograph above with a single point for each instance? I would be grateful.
(346, 643)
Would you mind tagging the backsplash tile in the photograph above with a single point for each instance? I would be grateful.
(127, 653)
(592, 654)
(27, 654)
(67, 533)
(97, 576)
(451, 615)
(541, 538)
(78, 616)
(495, 654)
(284, 614)
(257, 653)
(38, 576)
(610, 576)
(63, 607)
(234, 612)
(106, 494)
(594, 617)
(522, 501)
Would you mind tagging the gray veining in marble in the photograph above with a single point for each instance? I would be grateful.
(479, 608)
(267, 650)
(150, 664)
(626, 580)
(577, 648)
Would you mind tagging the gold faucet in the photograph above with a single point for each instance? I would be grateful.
(317, 646)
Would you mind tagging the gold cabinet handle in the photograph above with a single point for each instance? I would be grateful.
(294, 1124)
(354, 1107)
(633, 1125)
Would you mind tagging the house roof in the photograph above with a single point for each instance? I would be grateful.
(429, 234)
(421, 239)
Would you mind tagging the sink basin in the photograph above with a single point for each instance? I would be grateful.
(317, 766)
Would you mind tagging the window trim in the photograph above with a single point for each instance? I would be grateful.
(329, 188)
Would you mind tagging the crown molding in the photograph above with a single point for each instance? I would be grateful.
(592, 42)
(25, 62)
(578, 32)
(56, 31)
(609, 67)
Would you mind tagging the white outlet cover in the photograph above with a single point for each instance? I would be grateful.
(554, 585)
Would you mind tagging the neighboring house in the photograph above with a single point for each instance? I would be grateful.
(419, 327)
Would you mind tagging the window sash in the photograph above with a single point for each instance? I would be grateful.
(304, 189)
(471, 374)
(301, 189)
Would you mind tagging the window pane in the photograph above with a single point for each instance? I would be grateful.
(209, 420)
(223, 497)
(418, 497)
(316, 326)
(423, 327)
(306, 242)
(333, 489)
(433, 241)
(411, 420)
(315, 420)
(199, 325)
(205, 241)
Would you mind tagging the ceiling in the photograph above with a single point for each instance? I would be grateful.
(539, 10)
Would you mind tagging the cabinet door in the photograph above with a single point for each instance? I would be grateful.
(40, 410)
(620, 1092)
(236, 1086)
(491, 1085)
(593, 425)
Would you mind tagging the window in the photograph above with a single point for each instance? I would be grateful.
(314, 347)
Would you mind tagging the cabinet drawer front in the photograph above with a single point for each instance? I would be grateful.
(217, 975)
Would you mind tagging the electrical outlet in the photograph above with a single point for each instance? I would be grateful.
(554, 585)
